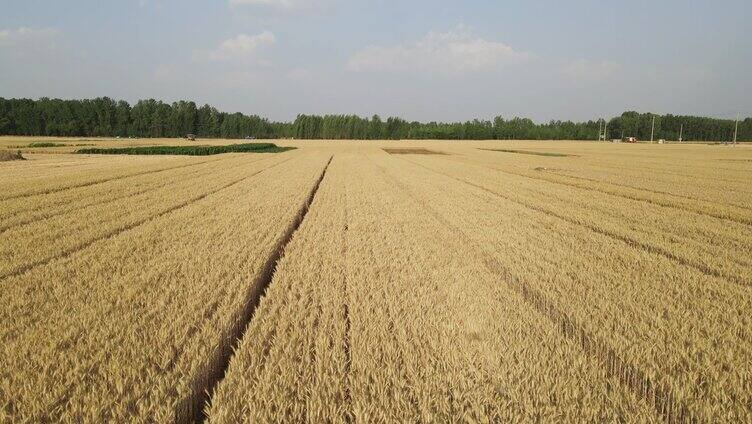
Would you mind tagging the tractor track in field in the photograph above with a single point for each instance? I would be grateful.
(655, 171)
(70, 251)
(656, 202)
(346, 313)
(191, 409)
(654, 393)
(741, 220)
(737, 219)
(103, 180)
(50, 215)
(702, 268)
(648, 190)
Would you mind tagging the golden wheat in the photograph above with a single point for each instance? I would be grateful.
(607, 283)
(395, 319)
(122, 329)
(678, 325)
(714, 246)
(40, 241)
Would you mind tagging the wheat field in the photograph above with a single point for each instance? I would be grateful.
(394, 281)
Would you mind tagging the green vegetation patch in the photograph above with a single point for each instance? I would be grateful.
(47, 144)
(188, 150)
(529, 152)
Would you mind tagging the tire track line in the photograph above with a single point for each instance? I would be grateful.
(698, 266)
(656, 202)
(68, 252)
(203, 385)
(681, 196)
(349, 412)
(51, 215)
(679, 174)
(654, 393)
(102, 181)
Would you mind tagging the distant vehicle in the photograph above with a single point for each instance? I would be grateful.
(630, 139)
(250, 137)
(190, 137)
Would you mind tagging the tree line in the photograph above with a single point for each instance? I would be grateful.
(105, 117)
(671, 127)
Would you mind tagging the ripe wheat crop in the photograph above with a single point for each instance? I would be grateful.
(395, 319)
(372, 282)
(126, 328)
(677, 326)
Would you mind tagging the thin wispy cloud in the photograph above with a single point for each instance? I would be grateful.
(282, 5)
(591, 71)
(20, 34)
(242, 47)
(276, 3)
(455, 51)
(298, 74)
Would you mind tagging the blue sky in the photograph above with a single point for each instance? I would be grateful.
(424, 60)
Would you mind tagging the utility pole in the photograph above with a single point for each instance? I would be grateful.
(602, 129)
(681, 131)
(736, 128)
(652, 129)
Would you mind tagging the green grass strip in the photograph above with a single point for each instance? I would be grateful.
(46, 144)
(188, 150)
(529, 152)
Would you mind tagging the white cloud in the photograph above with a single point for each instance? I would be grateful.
(278, 3)
(241, 47)
(589, 71)
(22, 34)
(283, 5)
(157, 4)
(298, 74)
(163, 72)
(455, 51)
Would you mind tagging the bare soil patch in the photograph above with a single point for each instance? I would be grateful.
(529, 152)
(8, 155)
(392, 151)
